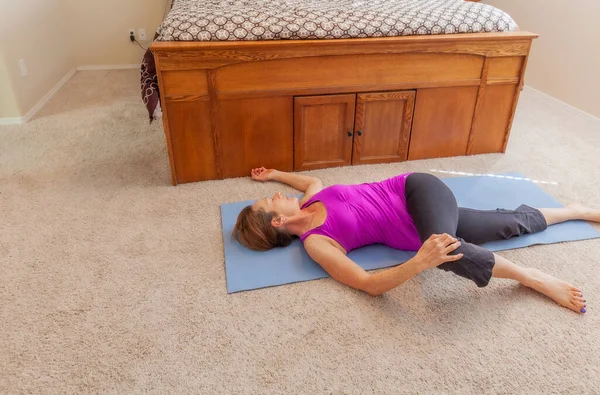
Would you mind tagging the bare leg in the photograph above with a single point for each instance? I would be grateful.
(560, 291)
(572, 211)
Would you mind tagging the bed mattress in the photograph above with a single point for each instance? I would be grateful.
(251, 20)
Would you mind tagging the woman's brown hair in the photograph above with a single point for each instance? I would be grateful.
(254, 230)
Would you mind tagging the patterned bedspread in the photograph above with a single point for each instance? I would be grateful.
(149, 84)
(231, 20)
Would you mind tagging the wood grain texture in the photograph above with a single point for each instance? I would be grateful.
(339, 72)
(505, 67)
(478, 102)
(215, 125)
(492, 120)
(255, 132)
(382, 127)
(166, 127)
(503, 81)
(251, 86)
(442, 122)
(494, 107)
(209, 55)
(323, 131)
(181, 83)
(516, 99)
(268, 91)
(192, 146)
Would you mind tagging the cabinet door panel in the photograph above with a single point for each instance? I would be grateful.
(255, 132)
(323, 131)
(442, 122)
(382, 127)
(191, 140)
(493, 119)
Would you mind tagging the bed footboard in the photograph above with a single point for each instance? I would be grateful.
(301, 105)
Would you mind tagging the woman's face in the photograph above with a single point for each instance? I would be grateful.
(288, 206)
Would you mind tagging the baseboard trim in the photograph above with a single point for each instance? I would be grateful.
(30, 114)
(108, 67)
(555, 100)
(11, 121)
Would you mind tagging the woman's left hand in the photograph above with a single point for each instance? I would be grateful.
(262, 174)
(436, 250)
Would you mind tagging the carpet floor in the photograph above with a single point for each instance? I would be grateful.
(113, 281)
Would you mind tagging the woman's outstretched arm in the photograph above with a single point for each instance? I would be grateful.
(433, 253)
(306, 184)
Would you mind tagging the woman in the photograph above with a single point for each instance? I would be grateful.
(414, 212)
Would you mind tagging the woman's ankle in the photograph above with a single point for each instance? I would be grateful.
(533, 278)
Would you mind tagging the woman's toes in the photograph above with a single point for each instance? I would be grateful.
(578, 306)
(578, 303)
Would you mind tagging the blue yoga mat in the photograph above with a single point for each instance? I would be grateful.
(248, 269)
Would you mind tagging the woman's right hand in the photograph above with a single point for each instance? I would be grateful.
(262, 174)
(435, 251)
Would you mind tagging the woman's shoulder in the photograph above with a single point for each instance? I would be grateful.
(315, 242)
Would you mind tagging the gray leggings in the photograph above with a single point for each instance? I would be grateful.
(434, 210)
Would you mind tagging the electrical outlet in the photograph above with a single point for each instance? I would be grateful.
(23, 67)
(130, 33)
(141, 34)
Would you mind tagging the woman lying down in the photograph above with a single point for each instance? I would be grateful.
(413, 212)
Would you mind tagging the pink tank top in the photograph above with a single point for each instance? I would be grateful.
(374, 213)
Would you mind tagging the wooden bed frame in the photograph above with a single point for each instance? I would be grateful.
(309, 104)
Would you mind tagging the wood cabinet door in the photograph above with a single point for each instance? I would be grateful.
(190, 140)
(255, 132)
(382, 127)
(442, 122)
(323, 131)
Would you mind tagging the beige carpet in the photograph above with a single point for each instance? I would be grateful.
(113, 281)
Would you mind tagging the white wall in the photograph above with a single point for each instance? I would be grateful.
(55, 36)
(565, 59)
(98, 29)
(33, 30)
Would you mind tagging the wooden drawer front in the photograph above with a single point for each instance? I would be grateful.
(382, 127)
(323, 128)
(442, 122)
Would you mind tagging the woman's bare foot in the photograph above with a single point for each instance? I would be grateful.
(560, 291)
(585, 213)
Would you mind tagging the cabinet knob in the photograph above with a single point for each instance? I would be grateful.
(349, 133)
(359, 132)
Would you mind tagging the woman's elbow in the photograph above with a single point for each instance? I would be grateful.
(374, 293)
(370, 287)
